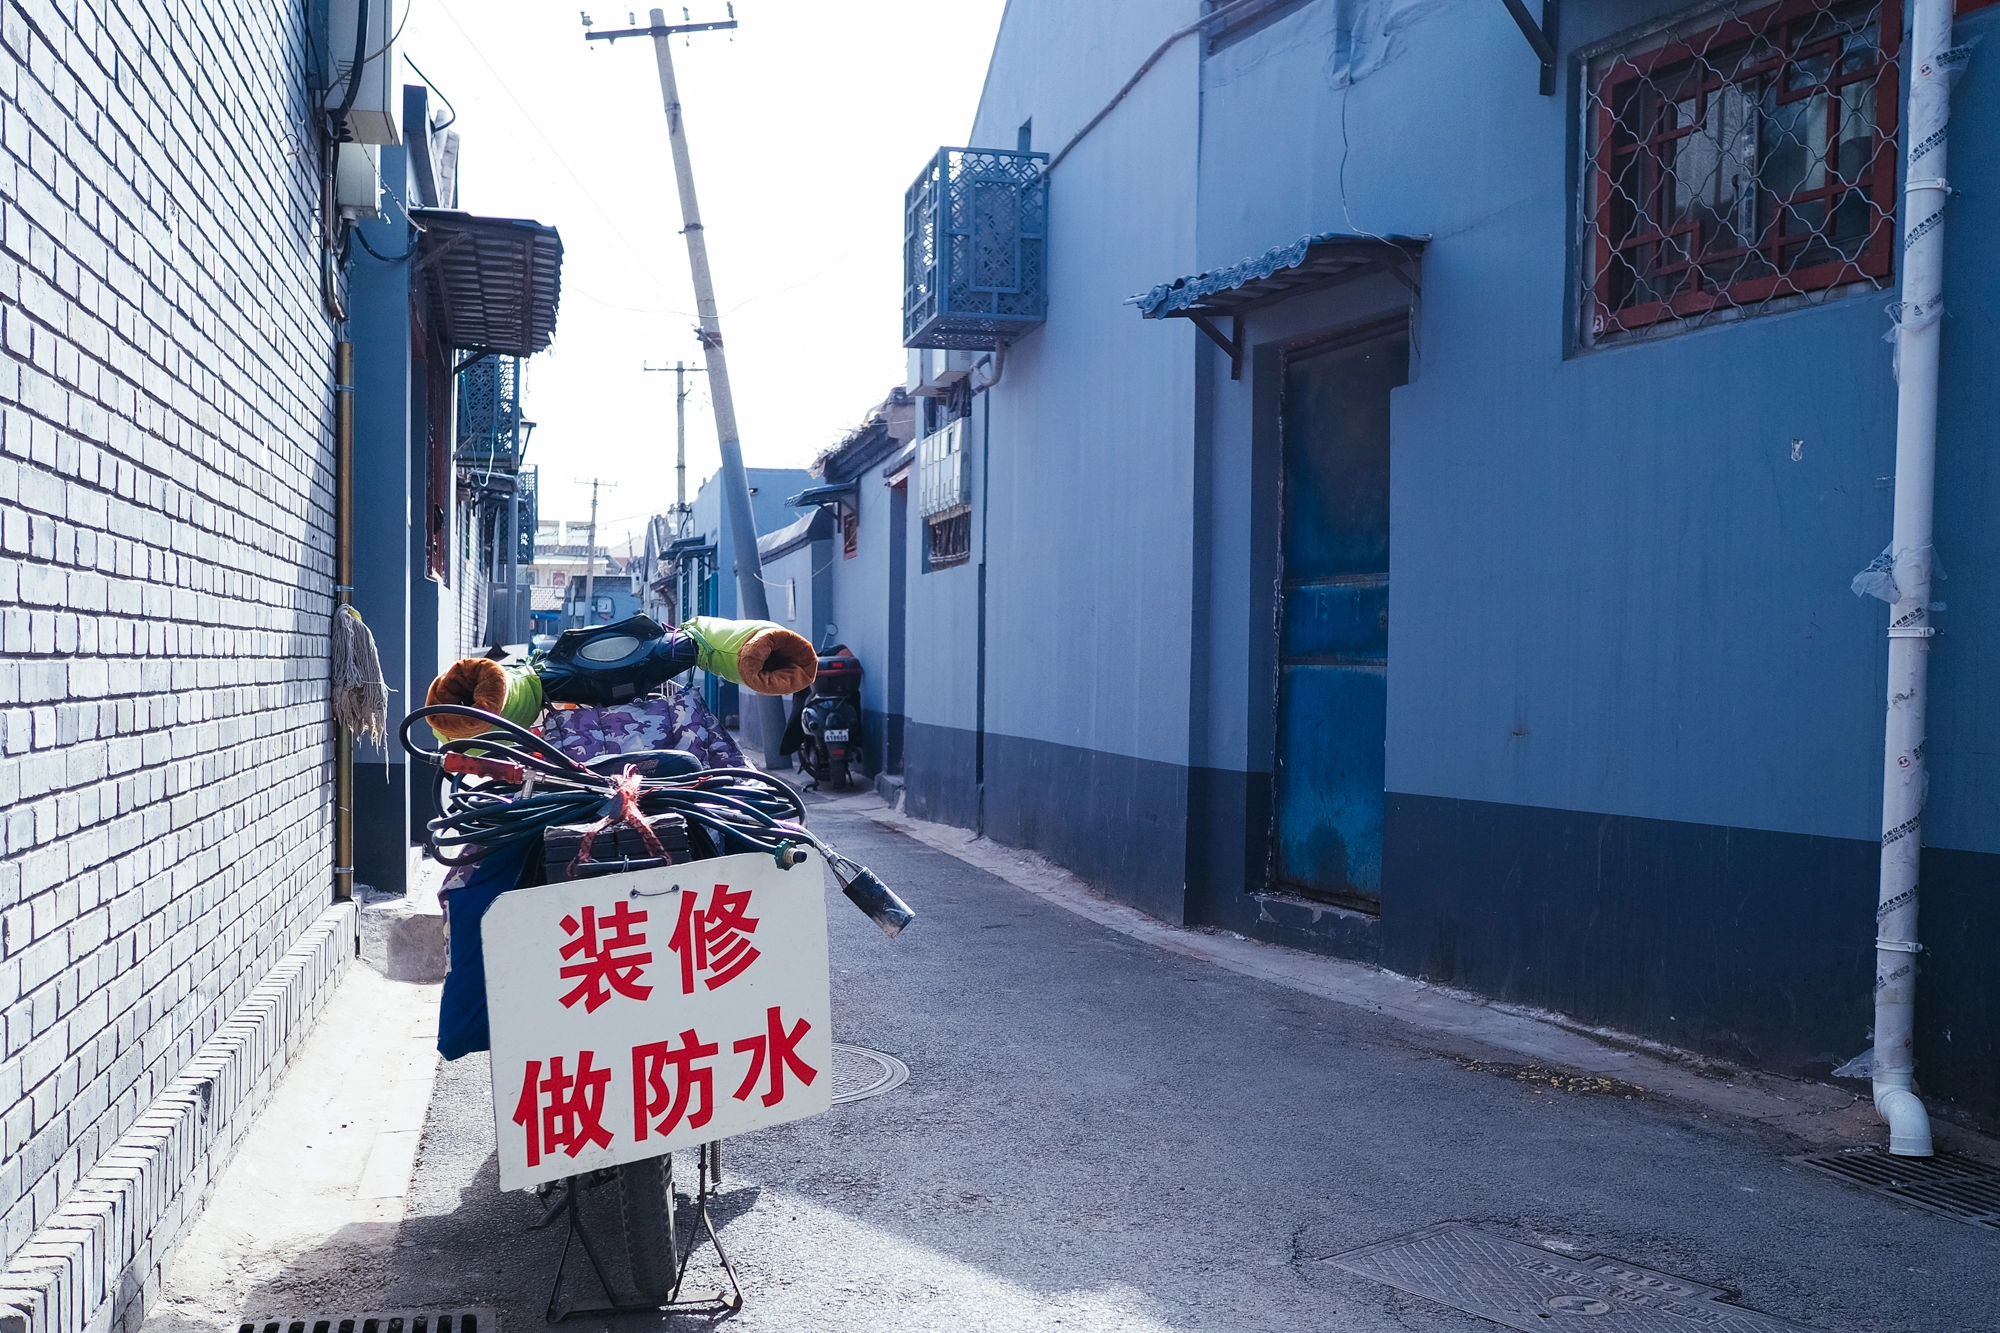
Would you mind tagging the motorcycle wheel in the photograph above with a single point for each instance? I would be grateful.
(840, 775)
(646, 1205)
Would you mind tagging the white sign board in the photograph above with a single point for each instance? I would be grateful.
(635, 1014)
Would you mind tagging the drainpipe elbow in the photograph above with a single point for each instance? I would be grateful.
(1909, 1124)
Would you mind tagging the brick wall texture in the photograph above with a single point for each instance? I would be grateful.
(165, 557)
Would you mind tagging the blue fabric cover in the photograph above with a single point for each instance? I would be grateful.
(462, 1007)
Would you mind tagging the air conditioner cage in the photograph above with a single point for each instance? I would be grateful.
(975, 249)
(489, 400)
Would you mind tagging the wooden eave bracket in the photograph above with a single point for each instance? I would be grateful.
(1231, 343)
(1541, 36)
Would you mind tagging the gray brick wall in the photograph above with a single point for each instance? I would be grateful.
(165, 556)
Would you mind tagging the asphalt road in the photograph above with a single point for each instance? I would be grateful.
(1100, 1135)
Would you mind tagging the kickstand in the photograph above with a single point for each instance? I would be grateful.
(710, 1155)
(720, 1302)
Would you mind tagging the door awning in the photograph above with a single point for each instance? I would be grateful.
(488, 284)
(831, 493)
(1308, 264)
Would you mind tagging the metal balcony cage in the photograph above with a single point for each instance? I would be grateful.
(489, 414)
(975, 238)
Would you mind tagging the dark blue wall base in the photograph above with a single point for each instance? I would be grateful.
(1958, 988)
(874, 741)
(381, 827)
(1229, 869)
(1752, 946)
(1116, 821)
(939, 775)
(1119, 822)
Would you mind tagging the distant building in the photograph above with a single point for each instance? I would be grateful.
(701, 566)
(841, 567)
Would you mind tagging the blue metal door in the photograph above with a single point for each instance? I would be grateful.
(1333, 635)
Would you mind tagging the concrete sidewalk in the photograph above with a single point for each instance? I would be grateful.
(332, 1154)
(1114, 1125)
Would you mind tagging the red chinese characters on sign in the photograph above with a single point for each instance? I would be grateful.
(612, 958)
(673, 1085)
(563, 1112)
(652, 1097)
(714, 942)
(774, 1051)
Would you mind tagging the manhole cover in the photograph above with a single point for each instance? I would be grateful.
(1528, 1288)
(859, 1073)
(1949, 1183)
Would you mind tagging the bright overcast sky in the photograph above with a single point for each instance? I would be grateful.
(806, 125)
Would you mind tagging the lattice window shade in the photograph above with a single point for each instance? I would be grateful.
(943, 482)
(1737, 162)
(975, 232)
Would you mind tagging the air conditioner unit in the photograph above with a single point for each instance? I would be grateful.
(378, 98)
(933, 370)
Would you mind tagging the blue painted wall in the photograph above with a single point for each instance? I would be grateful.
(1635, 714)
(1082, 537)
(859, 588)
(770, 487)
(385, 532)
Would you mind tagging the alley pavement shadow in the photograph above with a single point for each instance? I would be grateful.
(1097, 1135)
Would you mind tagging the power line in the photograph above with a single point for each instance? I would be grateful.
(645, 256)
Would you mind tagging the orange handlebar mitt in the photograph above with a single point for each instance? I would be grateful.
(777, 661)
(483, 684)
(755, 654)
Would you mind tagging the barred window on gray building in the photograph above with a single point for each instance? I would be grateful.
(1739, 161)
(944, 494)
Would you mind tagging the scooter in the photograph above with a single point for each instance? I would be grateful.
(829, 720)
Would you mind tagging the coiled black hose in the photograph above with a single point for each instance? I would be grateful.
(507, 786)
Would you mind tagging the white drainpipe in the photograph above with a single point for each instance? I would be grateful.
(1905, 780)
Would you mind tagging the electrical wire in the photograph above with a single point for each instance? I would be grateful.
(354, 72)
(428, 83)
(387, 259)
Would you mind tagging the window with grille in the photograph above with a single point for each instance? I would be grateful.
(1740, 161)
(944, 494)
(948, 539)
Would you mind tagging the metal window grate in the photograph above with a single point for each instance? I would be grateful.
(948, 538)
(405, 1321)
(1739, 161)
(1950, 1184)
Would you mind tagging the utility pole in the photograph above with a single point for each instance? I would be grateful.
(590, 553)
(736, 484)
(681, 391)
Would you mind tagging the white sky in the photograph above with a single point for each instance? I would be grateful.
(806, 124)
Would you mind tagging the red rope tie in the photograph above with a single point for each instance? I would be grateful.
(627, 790)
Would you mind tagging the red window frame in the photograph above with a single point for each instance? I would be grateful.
(1613, 148)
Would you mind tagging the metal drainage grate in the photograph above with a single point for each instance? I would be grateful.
(1950, 1184)
(405, 1321)
(859, 1073)
(1533, 1289)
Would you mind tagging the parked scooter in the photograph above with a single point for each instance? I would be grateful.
(827, 726)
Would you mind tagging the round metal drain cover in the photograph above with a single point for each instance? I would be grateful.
(859, 1073)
